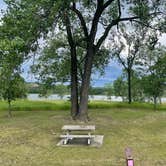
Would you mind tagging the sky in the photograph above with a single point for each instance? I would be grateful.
(112, 71)
(2, 4)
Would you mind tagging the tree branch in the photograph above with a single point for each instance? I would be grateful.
(107, 3)
(148, 26)
(103, 37)
(81, 18)
(95, 21)
(122, 62)
(68, 28)
(114, 22)
(128, 18)
(119, 8)
(101, 6)
(103, 24)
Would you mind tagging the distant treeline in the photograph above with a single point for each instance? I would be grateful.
(38, 89)
(118, 88)
(64, 89)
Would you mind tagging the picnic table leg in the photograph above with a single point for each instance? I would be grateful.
(67, 138)
(65, 141)
(89, 141)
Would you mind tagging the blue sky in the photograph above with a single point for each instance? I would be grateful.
(112, 71)
(2, 4)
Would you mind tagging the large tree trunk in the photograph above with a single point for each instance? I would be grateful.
(74, 84)
(129, 85)
(83, 109)
(9, 109)
(155, 103)
(74, 80)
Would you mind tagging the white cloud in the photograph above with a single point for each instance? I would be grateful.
(162, 39)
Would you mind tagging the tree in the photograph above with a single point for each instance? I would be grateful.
(93, 43)
(109, 90)
(55, 65)
(104, 15)
(120, 87)
(61, 90)
(128, 43)
(12, 85)
(137, 90)
(154, 79)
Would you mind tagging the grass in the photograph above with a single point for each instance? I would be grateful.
(26, 105)
(27, 139)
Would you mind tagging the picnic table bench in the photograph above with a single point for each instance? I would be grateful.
(84, 132)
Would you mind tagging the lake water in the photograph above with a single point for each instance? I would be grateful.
(66, 97)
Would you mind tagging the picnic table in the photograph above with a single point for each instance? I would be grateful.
(83, 131)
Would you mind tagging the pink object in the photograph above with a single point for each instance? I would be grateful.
(130, 162)
(129, 159)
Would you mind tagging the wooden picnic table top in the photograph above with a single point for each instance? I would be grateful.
(78, 127)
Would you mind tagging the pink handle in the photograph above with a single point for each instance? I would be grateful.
(130, 163)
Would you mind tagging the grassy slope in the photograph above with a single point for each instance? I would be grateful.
(27, 139)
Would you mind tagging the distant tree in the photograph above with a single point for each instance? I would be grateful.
(61, 90)
(128, 44)
(97, 91)
(120, 87)
(109, 91)
(154, 79)
(137, 90)
(33, 88)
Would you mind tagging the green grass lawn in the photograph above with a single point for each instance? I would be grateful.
(25, 105)
(26, 139)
